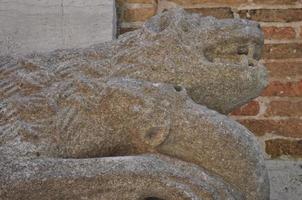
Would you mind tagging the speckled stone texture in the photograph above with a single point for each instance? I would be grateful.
(126, 177)
(134, 118)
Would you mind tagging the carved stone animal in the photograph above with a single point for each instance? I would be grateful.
(63, 112)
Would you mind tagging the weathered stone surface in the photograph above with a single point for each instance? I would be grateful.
(130, 97)
(215, 60)
(127, 177)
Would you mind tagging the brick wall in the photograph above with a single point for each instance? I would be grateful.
(276, 116)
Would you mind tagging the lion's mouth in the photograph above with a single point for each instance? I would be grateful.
(232, 54)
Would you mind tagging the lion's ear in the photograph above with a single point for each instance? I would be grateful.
(137, 109)
(164, 20)
(155, 123)
(158, 23)
(155, 136)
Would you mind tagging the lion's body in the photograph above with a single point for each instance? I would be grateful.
(129, 97)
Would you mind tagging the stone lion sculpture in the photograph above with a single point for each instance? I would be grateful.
(136, 118)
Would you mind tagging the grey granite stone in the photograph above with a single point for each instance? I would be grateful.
(116, 178)
(69, 109)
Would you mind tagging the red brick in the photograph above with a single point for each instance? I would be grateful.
(284, 70)
(275, 1)
(125, 30)
(284, 108)
(193, 2)
(138, 14)
(287, 127)
(250, 109)
(273, 32)
(140, 1)
(290, 89)
(273, 15)
(279, 147)
(282, 51)
(122, 2)
(219, 13)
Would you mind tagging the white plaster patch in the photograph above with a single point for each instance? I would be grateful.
(285, 179)
(45, 25)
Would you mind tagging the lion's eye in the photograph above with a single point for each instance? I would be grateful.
(243, 50)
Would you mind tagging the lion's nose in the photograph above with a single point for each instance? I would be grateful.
(248, 55)
(235, 44)
(240, 52)
(243, 50)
